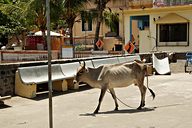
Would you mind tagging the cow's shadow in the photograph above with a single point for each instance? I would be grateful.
(3, 106)
(130, 111)
(121, 111)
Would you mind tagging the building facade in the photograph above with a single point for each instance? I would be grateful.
(166, 26)
(152, 25)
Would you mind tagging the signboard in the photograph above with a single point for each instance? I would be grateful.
(129, 47)
(67, 52)
(99, 44)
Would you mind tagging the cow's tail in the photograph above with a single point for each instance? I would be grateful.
(146, 73)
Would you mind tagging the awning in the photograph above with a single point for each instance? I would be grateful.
(171, 18)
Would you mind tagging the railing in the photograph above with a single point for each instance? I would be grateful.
(160, 3)
(82, 54)
(9, 56)
(25, 55)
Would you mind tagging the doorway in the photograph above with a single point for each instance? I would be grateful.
(138, 23)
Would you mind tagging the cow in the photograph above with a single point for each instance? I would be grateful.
(108, 77)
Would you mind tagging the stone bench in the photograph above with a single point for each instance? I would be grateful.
(99, 62)
(115, 60)
(4, 98)
(131, 58)
(27, 79)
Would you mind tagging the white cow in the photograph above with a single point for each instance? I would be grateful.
(114, 76)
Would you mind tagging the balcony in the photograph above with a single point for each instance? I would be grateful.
(161, 3)
(135, 4)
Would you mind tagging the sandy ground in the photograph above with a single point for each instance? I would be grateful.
(172, 107)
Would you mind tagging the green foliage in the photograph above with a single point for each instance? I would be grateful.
(12, 20)
(5, 1)
(31, 14)
(71, 9)
(110, 20)
(27, 15)
(80, 47)
(10, 26)
(101, 15)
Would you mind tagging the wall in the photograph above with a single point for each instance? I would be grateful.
(77, 30)
(127, 28)
(145, 45)
(7, 79)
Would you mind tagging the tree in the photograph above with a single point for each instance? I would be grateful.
(71, 10)
(36, 15)
(11, 22)
(30, 14)
(103, 14)
(101, 5)
(110, 19)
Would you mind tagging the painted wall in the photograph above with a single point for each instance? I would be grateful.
(127, 28)
(77, 30)
(145, 42)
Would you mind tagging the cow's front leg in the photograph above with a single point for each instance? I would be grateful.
(114, 97)
(103, 90)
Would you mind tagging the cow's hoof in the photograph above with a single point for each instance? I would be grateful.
(139, 108)
(143, 104)
(116, 109)
(95, 112)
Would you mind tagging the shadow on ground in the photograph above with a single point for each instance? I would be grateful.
(130, 111)
(3, 106)
(123, 111)
(45, 95)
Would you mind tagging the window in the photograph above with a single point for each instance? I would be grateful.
(173, 34)
(86, 23)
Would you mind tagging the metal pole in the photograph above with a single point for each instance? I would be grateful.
(49, 64)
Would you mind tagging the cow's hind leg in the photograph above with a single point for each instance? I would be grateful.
(103, 90)
(143, 92)
(114, 97)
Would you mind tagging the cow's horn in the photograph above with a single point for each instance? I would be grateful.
(83, 63)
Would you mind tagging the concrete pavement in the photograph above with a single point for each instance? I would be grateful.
(172, 107)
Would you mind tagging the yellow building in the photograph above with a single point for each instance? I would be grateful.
(84, 32)
(163, 25)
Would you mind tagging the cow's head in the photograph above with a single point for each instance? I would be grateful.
(81, 72)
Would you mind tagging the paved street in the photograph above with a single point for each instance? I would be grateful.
(172, 107)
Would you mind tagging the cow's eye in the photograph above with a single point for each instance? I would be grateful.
(79, 73)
